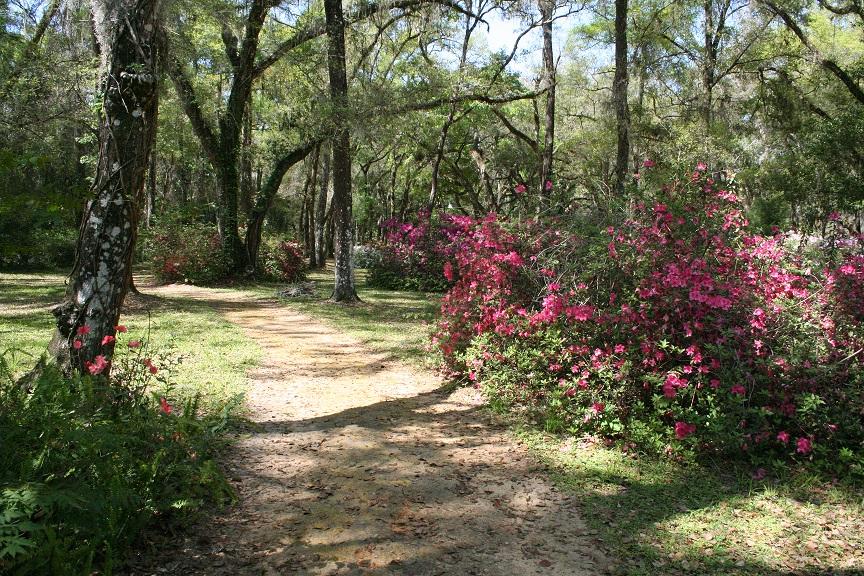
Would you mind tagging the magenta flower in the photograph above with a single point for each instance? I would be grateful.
(108, 339)
(83, 330)
(834, 216)
(448, 271)
(783, 437)
(739, 390)
(120, 328)
(701, 166)
(520, 189)
(648, 163)
(682, 430)
(77, 345)
(804, 446)
(164, 407)
(548, 185)
(597, 408)
(98, 365)
(134, 344)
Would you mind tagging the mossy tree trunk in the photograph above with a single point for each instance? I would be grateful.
(103, 262)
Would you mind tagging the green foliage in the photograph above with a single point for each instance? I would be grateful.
(88, 462)
(36, 229)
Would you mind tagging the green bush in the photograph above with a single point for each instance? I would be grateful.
(88, 462)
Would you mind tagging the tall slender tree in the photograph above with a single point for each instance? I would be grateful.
(620, 85)
(343, 220)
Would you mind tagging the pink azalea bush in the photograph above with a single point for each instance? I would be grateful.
(186, 252)
(693, 334)
(282, 261)
(414, 254)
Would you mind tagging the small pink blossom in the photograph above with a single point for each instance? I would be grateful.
(804, 446)
(520, 189)
(682, 430)
(98, 365)
(701, 166)
(783, 437)
(108, 339)
(834, 216)
(120, 328)
(77, 344)
(448, 271)
(83, 330)
(648, 163)
(134, 344)
(164, 407)
(739, 390)
(597, 408)
(548, 185)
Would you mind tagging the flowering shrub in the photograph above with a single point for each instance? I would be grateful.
(684, 333)
(186, 252)
(414, 254)
(282, 261)
(90, 461)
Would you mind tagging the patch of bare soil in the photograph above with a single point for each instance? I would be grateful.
(358, 465)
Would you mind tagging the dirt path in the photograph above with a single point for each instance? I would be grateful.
(361, 466)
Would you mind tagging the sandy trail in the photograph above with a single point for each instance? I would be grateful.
(360, 465)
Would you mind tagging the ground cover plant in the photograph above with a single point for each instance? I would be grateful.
(89, 462)
(675, 330)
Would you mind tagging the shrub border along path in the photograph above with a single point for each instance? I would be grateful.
(356, 464)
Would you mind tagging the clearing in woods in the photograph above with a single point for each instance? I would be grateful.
(354, 464)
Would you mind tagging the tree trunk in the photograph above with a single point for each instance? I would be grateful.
(151, 189)
(343, 238)
(321, 206)
(439, 154)
(311, 217)
(547, 10)
(247, 184)
(619, 97)
(709, 66)
(103, 261)
(255, 224)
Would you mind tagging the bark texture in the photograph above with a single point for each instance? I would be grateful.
(547, 175)
(619, 96)
(343, 216)
(103, 262)
(255, 223)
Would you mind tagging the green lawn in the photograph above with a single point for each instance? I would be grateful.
(197, 351)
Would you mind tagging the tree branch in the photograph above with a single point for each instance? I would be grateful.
(825, 62)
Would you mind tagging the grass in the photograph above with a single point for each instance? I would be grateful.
(659, 517)
(197, 351)
(389, 321)
(25, 317)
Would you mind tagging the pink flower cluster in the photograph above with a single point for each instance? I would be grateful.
(691, 324)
